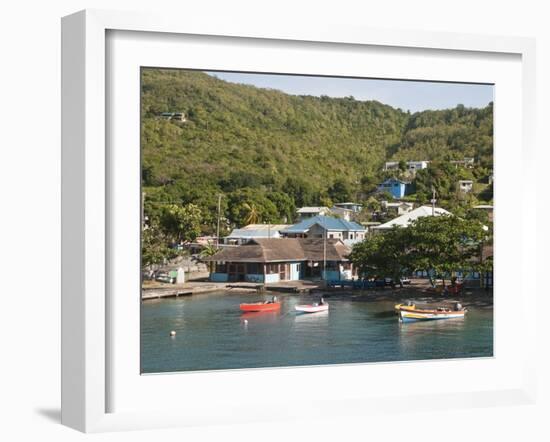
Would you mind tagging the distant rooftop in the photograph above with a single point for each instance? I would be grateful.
(312, 209)
(392, 180)
(265, 226)
(397, 204)
(253, 233)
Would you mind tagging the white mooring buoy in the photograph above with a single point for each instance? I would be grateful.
(173, 333)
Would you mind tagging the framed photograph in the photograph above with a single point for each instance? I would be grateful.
(249, 212)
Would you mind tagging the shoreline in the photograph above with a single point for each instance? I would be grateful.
(477, 297)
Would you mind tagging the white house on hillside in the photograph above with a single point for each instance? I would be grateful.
(465, 186)
(400, 207)
(467, 162)
(340, 212)
(408, 218)
(354, 207)
(310, 212)
(412, 166)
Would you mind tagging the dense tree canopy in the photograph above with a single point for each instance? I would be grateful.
(438, 245)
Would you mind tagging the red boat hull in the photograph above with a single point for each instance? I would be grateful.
(261, 307)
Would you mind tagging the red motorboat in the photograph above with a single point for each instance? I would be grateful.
(267, 306)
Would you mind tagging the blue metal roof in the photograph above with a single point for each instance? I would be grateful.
(394, 180)
(327, 222)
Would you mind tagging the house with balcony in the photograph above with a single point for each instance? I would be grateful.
(326, 227)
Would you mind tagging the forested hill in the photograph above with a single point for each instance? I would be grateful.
(240, 138)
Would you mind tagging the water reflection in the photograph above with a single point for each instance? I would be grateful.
(311, 317)
(261, 317)
(419, 328)
(433, 339)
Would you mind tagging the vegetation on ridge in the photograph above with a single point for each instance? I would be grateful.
(267, 153)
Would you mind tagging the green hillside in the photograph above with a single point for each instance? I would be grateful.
(274, 151)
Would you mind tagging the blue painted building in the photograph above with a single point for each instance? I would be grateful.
(285, 259)
(326, 227)
(397, 188)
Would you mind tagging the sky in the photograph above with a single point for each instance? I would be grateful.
(407, 95)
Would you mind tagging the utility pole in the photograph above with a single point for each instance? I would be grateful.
(142, 210)
(433, 201)
(218, 227)
(324, 276)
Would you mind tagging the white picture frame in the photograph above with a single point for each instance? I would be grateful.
(87, 230)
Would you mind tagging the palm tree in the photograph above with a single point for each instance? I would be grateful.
(252, 216)
(209, 250)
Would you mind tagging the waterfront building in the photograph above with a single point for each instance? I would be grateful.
(285, 259)
(326, 227)
(468, 277)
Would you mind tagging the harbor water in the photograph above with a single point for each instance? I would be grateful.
(211, 333)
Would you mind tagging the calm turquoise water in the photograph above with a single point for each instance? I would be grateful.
(212, 334)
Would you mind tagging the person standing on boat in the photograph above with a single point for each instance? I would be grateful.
(321, 301)
(273, 299)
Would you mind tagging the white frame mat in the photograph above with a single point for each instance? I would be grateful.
(91, 338)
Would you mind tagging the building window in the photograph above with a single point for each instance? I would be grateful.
(221, 267)
(253, 268)
(332, 265)
(272, 269)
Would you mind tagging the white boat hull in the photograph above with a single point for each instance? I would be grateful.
(311, 308)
